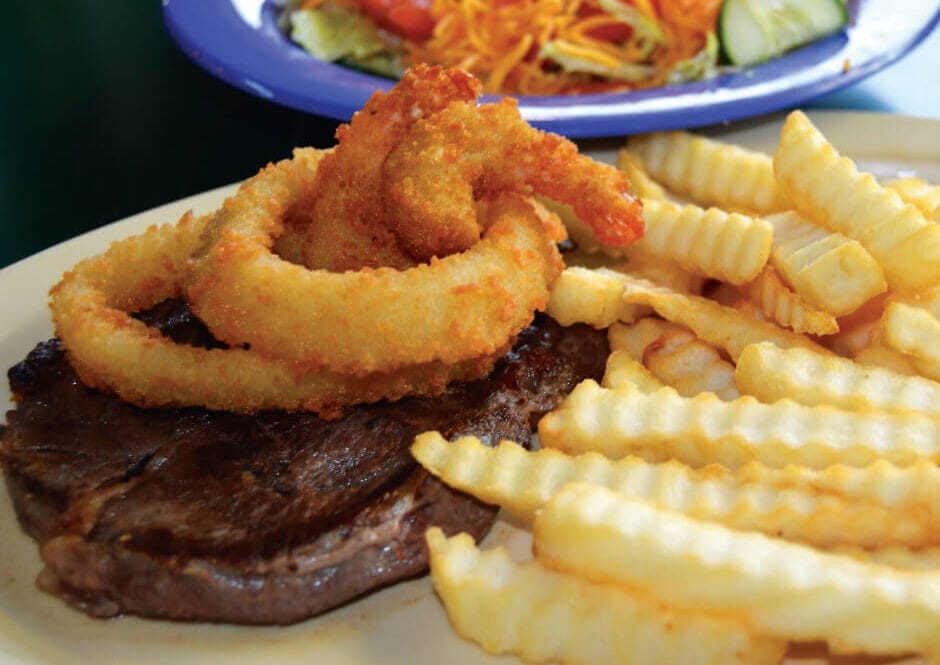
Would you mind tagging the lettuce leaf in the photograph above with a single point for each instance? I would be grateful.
(647, 32)
(621, 71)
(337, 33)
(702, 65)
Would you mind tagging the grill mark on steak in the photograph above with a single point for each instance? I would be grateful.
(192, 514)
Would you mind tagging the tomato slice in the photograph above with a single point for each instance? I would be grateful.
(613, 32)
(408, 18)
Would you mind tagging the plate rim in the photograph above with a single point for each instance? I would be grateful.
(882, 33)
(34, 274)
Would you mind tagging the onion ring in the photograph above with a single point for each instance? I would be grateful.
(451, 310)
(463, 153)
(112, 350)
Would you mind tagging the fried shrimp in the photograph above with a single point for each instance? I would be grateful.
(468, 152)
(343, 226)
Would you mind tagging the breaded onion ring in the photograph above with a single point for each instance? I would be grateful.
(112, 350)
(450, 310)
(465, 152)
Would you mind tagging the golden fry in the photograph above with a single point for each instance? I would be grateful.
(920, 193)
(681, 360)
(720, 326)
(636, 337)
(580, 295)
(643, 185)
(827, 269)
(778, 303)
(771, 373)
(727, 246)
(542, 615)
(622, 369)
(876, 354)
(704, 430)
(780, 588)
(830, 190)
(711, 172)
(795, 503)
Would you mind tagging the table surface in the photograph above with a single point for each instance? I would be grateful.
(102, 117)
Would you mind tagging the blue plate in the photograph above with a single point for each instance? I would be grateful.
(239, 42)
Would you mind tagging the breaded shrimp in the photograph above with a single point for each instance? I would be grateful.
(344, 225)
(466, 152)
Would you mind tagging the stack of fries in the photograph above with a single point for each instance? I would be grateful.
(758, 466)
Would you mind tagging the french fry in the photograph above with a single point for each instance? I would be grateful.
(749, 309)
(642, 263)
(622, 369)
(831, 191)
(826, 269)
(542, 615)
(928, 300)
(770, 373)
(926, 560)
(920, 193)
(876, 354)
(727, 246)
(720, 326)
(853, 336)
(634, 338)
(704, 430)
(914, 332)
(643, 185)
(595, 295)
(580, 295)
(778, 303)
(784, 502)
(783, 589)
(711, 172)
(913, 490)
(681, 360)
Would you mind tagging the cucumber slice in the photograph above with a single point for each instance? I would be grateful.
(753, 31)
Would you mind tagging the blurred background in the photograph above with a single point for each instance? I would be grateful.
(103, 117)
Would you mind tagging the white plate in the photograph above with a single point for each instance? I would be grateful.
(401, 625)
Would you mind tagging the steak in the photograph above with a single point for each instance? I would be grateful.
(190, 514)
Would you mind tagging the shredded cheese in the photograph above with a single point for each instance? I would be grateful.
(514, 46)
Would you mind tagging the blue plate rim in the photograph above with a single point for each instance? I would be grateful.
(237, 41)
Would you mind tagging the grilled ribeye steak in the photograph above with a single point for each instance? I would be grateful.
(202, 515)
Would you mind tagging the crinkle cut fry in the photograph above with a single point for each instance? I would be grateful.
(704, 429)
(680, 359)
(783, 589)
(545, 616)
(777, 302)
(832, 507)
(718, 325)
(829, 189)
(826, 269)
(727, 246)
(622, 369)
(582, 295)
(710, 171)
(771, 373)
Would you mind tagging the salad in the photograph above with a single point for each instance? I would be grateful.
(549, 47)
